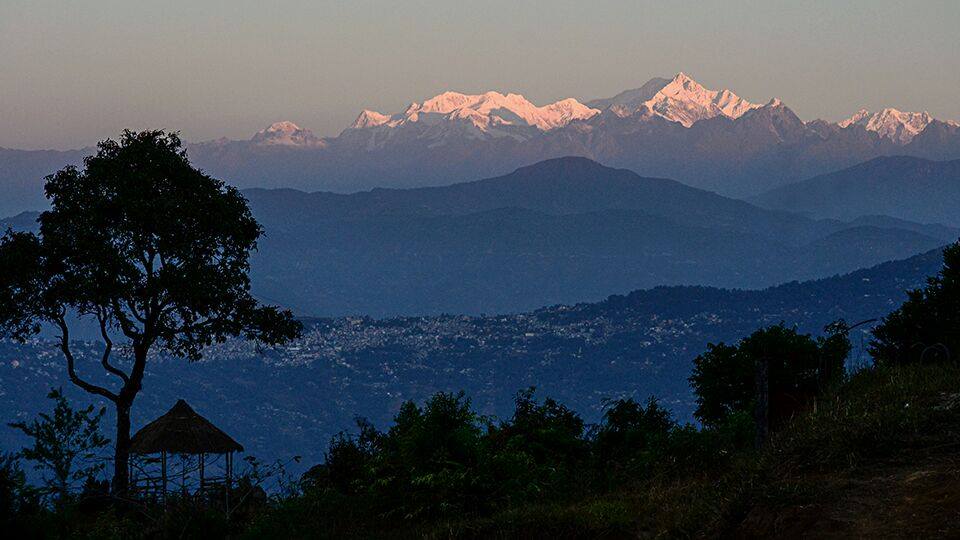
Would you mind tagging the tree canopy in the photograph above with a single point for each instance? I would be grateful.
(724, 377)
(150, 247)
(926, 328)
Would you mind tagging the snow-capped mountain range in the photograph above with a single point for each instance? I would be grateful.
(491, 115)
(669, 128)
(452, 115)
(486, 112)
(898, 126)
(287, 133)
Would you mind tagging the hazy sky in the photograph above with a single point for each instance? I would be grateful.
(73, 72)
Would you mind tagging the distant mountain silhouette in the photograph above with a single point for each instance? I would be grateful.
(22, 173)
(561, 231)
(903, 187)
(564, 230)
(566, 185)
(764, 148)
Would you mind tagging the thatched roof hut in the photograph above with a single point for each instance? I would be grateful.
(182, 431)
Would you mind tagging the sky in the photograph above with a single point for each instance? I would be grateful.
(73, 72)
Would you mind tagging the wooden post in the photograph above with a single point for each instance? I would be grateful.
(226, 490)
(762, 411)
(202, 463)
(163, 477)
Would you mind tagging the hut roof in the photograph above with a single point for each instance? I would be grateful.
(182, 431)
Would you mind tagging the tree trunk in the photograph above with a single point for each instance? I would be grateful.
(124, 402)
(762, 411)
(121, 455)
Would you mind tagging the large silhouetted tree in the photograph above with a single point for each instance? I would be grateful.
(799, 368)
(154, 250)
(926, 328)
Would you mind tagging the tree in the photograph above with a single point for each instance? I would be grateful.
(154, 250)
(348, 466)
(723, 380)
(548, 431)
(65, 444)
(926, 327)
(799, 367)
(429, 455)
(539, 451)
(13, 491)
(630, 437)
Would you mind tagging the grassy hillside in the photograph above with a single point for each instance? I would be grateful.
(879, 457)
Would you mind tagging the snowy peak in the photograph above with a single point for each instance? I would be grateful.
(898, 126)
(486, 113)
(858, 118)
(685, 101)
(561, 113)
(286, 134)
(281, 128)
(680, 99)
(777, 119)
(368, 118)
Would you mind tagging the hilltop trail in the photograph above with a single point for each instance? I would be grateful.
(914, 497)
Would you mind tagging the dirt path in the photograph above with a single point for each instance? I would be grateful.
(917, 501)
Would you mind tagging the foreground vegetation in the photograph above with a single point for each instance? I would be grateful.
(784, 433)
(440, 472)
(848, 454)
(673, 482)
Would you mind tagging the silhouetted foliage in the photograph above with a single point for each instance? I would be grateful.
(926, 328)
(442, 460)
(349, 463)
(16, 497)
(724, 377)
(153, 249)
(65, 446)
(631, 437)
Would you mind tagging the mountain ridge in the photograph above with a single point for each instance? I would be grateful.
(670, 128)
(903, 187)
(563, 230)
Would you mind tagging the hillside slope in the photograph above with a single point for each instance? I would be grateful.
(880, 462)
(292, 399)
(562, 231)
(902, 187)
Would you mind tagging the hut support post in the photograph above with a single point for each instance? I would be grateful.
(202, 463)
(163, 477)
(228, 483)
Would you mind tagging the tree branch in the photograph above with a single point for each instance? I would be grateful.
(108, 347)
(133, 310)
(126, 325)
(71, 370)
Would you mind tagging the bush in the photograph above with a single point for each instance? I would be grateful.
(631, 438)
(65, 446)
(536, 454)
